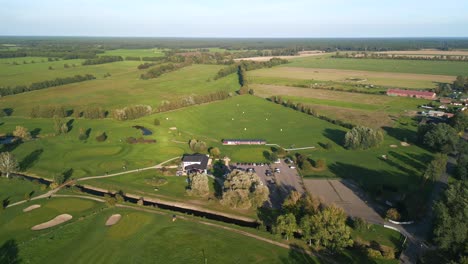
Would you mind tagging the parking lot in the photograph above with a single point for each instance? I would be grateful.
(280, 183)
(344, 194)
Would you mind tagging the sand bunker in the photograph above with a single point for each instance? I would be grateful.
(404, 144)
(173, 128)
(393, 146)
(32, 207)
(113, 219)
(56, 221)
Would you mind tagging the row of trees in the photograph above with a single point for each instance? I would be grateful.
(365, 55)
(248, 66)
(48, 111)
(132, 112)
(45, 84)
(146, 65)
(307, 109)
(102, 60)
(363, 138)
(461, 83)
(193, 100)
(162, 69)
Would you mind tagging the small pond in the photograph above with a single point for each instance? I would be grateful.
(7, 140)
(144, 130)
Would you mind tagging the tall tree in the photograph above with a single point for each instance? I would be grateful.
(198, 184)
(8, 163)
(244, 190)
(451, 221)
(22, 132)
(329, 229)
(286, 225)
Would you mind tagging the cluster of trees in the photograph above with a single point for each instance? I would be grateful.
(60, 126)
(461, 83)
(198, 184)
(361, 137)
(193, 100)
(435, 167)
(439, 137)
(450, 224)
(306, 165)
(307, 109)
(132, 112)
(321, 226)
(244, 190)
(197, 146)
(102, 60)
(45, 84)
(48, 111)
(248, 66)
(22, 133)
(160, 70)
(90, 112)
(146, 65)
(366, 55)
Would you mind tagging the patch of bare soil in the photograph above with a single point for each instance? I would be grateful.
(393, 146)
(56, 221)
(113, 219)
(405, 144)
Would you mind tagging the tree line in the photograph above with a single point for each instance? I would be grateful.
(102, 60)
(132, 112)
(243, 66)
(365, 55)
(45, 84)
(193, 100)
(160, 70)
(307, 109)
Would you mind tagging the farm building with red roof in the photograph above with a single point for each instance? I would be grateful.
(411, 93)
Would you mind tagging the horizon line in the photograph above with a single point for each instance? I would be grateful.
(224, 37)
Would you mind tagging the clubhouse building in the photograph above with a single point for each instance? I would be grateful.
(194, 163)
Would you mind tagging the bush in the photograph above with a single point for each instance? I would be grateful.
(363, 138)
(387, 252)
(372, 253)
(101, 137)
(110, 201)
(393, 214)
(360, 224)
(157, 122)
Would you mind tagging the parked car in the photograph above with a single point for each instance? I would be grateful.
(277, 170)
(292, 167)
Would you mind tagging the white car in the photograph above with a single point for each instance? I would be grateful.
(278, 161)
(292, 167)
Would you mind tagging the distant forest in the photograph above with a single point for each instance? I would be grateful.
(89, 47)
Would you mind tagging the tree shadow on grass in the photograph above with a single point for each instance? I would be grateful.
(31, 159)
(70, 124)
(402, 134)
(335, 135)
(35, 132)
(88, 132)
(11, 146)
(5, 202)
(299, 255)
(8, 111)
(9, 252)
(67, 174)
(408, 160)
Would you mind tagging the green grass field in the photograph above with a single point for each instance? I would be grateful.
(139, 237)
(124, 88)
(14, 189)
(403, 66)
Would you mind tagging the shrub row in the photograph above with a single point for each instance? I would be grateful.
(102, 60)
(45, 84)
(193, 100)
(132, 112)
(308, 110)
(160, 70)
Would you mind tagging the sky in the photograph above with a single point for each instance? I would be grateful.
(235, 18)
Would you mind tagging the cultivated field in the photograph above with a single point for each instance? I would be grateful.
(389, 79)
(452, 68)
